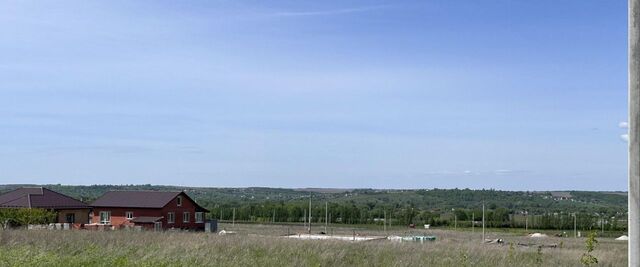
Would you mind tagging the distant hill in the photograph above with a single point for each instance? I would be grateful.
(425, 199)
(437, 207)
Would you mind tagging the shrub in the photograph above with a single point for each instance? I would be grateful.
(591, 242)
(25, 216)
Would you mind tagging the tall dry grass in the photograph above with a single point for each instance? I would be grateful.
(259, 245)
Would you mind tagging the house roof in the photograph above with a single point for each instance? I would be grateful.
(145, 219)
(139, 199)
(39, 197)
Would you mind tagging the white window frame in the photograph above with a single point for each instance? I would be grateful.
(199, 217)
(171, 217)
(128, 215)
(186, 217)
(179, 201)
(108, 217)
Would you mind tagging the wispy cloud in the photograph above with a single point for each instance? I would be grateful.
(476, 172)
(327, 12)
(624, 125)
(624, 137)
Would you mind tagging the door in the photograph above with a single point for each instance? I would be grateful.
(157, 226)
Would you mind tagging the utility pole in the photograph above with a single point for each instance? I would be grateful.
(330, 220)
(473, 222)
(385, 221)
(634, 132)
(455, 221)
(274, 216)
(233, 220)
(326, 216)
(309, 214)
(575, 225)
(482, 221)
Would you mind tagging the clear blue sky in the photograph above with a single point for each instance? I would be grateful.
(524, 95)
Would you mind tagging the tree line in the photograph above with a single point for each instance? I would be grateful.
(349, 213)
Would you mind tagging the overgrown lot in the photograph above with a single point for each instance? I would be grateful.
(260, 245)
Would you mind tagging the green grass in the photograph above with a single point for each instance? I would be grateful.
(261, 245)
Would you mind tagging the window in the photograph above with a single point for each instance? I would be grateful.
(171, 217)
(186, 217)
(129, 215)
(70, 217)
(105, 217)
(179, 200)
(199, 217)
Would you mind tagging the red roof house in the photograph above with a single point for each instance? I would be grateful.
(149, 209)
(69, 210)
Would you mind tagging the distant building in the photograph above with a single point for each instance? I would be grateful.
(68, 209)
(561, 195)
(149, 209)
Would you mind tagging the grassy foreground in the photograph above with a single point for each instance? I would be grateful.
(260, 245)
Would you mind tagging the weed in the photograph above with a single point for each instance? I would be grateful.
(539, 255)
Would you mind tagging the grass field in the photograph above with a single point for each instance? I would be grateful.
(262, 245)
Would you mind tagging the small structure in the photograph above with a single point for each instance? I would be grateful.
(68, 209)
(353, 238)
(622, 238)
(211, 226)
(414, 238)
(151, 210)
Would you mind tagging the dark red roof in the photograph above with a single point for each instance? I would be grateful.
(139, 199)
(39, 197)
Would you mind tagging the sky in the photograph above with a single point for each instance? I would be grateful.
(511, 95)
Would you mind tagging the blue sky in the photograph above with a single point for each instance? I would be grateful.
(521, 95)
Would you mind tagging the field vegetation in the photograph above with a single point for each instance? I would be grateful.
(263, 245)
